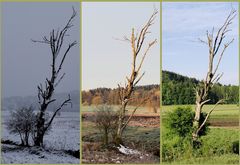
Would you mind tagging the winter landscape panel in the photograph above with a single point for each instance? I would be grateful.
(40, 83)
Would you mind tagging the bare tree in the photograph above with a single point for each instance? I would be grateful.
(216, 49)
(125, 93)
(21, 122)
(45, 92)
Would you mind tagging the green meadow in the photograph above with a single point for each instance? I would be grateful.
(219, 146)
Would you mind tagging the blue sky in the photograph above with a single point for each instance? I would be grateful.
(107, 61)
(183, 24)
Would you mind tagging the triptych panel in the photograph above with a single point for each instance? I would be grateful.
(119, 82)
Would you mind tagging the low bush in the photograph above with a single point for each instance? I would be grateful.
(106, 121)
(179, 121)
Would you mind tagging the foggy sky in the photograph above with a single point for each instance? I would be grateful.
(26, 64)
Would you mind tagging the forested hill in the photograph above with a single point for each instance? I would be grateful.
(178, 89)
(110, 96)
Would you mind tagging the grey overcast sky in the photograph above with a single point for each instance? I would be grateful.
(183, 24)
(26, 64)
(107, 61)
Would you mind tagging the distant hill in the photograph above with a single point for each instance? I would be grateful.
(12, 103)
(179, 89)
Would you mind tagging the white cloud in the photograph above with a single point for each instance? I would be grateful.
(192, 18)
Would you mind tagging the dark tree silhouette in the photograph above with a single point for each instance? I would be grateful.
(45, 92)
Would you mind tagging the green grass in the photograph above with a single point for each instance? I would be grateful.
(140, 110)
(225, 111)
(216, 148)
(148, 139)
(220, 160)
(142, 138)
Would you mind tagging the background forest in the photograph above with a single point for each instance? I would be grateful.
(178, 89)
(111, 96)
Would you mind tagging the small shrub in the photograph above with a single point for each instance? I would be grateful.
(22, 122)
(106, 121)
(180, 121)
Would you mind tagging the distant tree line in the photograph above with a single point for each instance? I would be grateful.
(111, 97)
(178, 89)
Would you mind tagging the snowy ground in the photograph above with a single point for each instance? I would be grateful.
(65, 135)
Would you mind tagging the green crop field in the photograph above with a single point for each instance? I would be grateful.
(221, 112)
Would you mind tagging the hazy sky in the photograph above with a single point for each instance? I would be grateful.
(183, 24)
(107, 61)
(26, 64)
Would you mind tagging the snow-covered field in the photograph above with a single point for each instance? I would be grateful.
(65, 135)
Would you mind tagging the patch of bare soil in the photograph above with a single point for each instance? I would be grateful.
(145, 121)
(151, 121)
(222, 123)
(93, 154)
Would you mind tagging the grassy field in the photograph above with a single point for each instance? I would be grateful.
(226, 110)
(142, 134)
(140, 110)
(222, 113)
(219, 145)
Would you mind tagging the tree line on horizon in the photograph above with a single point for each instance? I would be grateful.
(111, 96)
(178, 89)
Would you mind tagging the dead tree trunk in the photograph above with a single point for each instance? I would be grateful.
(125, 93)
(214, 43)
(45, 93)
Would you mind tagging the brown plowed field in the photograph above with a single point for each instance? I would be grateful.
(137, 120)
(154, 120)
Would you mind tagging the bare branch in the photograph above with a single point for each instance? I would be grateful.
(66, 102)
(204, 102)
(202, 41)
(221, 55)
(139, 79)
(133, 112)
(64, 56)
(145, 53)
(144, 31)
(204, 122)
(60, 79)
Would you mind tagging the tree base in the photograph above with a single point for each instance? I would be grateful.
(118, 141)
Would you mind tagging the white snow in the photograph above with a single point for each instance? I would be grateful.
(65, 135)
(127, 151)
(37, 156)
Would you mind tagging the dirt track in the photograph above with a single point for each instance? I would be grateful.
(224, 123)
